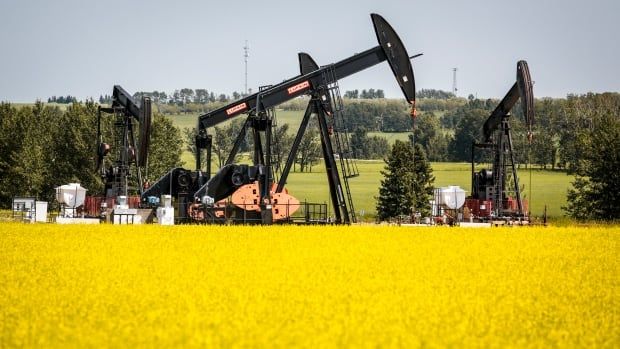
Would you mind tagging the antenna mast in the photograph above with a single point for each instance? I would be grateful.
(246, 48)
(454, 89)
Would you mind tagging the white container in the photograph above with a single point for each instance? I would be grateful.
(451, 197)
(165, 215)
(126, 216)
(40, 211)
(166, 200)
(121, 203)
(72, 194)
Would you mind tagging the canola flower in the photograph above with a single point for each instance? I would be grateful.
(316, 286)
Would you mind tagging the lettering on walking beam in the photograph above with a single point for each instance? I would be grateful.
(236, 109)
(299, 87)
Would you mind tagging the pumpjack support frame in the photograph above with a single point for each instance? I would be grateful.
(128, 150)
(492, 185)
(314, 81)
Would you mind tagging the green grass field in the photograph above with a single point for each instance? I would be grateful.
(391, 136)
(548, 187)
(184, 120)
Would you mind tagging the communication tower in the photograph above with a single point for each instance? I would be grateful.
(454, 89)
(246, 49)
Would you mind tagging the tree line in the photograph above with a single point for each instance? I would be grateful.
(62, 99)
(181, 97)
(43, 147)
(365, 94)
(445, 127)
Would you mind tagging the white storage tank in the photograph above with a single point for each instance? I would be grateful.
(71, 195)
(451, 197)
(121, 203)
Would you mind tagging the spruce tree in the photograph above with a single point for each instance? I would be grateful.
(407, 183)
(423, 182)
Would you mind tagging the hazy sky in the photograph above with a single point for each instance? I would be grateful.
(84, 47)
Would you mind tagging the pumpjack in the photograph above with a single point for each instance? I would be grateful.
(491, 196)
(127, 152)
(256, 194)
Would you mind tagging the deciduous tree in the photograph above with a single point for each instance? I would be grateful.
(596, 189)
(165, 148)
(468, 129)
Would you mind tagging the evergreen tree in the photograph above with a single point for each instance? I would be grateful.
(423, 182)
(405, 187)
(395, 194)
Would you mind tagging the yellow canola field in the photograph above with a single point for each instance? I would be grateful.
(317, 287)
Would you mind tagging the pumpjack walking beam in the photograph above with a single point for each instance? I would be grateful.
(390, 48)
(315, 81)
(522, 88)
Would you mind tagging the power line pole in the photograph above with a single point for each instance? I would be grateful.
(454, 89)
(246, 48)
